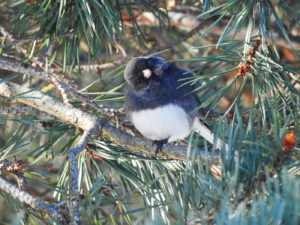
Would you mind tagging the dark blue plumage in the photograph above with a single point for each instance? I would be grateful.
(166, 85)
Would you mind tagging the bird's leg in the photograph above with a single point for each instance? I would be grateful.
(159, 144)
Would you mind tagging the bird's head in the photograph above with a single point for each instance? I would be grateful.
(141, 72)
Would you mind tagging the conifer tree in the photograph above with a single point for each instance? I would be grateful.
(68, 154)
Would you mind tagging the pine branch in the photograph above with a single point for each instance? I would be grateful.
(16, 65)
(187, 20)
(34, 203)
(73, 201)
(38, 100)
(87, 121)
(98, 67)
(70, 114)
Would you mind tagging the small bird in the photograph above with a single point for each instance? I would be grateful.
(159, 103)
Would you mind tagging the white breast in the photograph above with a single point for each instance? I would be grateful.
(167, 122)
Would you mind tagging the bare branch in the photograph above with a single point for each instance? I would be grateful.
(99, 67)
(19, 165)
(16, 65)
(37, 99)
(26, 198)
(73, 202)
(171, 151)
(20, 110)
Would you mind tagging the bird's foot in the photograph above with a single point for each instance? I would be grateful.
(159, 145)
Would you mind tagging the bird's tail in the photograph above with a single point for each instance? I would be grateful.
(206, 133)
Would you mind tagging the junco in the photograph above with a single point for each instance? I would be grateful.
(159, 103)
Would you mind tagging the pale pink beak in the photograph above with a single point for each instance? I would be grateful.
(147, 73)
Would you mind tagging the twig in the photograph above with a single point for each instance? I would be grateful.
(98, 67)
(120, 48)
(83, 98)
(73, 202)
(21, 110)
(19, 165)
(27, 199)
(91, 153)
(16, 65)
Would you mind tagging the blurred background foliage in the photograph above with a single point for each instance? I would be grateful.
(245, 57)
